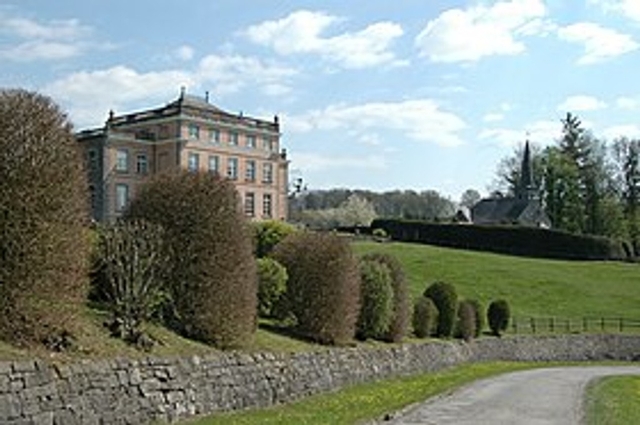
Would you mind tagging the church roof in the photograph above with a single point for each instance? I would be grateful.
(498, 210)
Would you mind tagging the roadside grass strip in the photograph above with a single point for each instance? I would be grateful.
(614, 400)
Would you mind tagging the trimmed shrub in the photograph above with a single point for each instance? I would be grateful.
(376, 308)
(498, 316)
(425, 317)
(466, 325)
(478, 311)
(212, 275)
(445, 298)
(132, 263)
(272, 284)
(268, 234)
(323, 289)
(44, 216)
(399, 325)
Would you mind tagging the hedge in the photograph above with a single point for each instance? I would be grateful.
(506, 239)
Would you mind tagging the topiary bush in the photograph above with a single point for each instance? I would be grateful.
(478, 311)
(445, 298)
(425, 317)
(272, 284)
(212, 275)
(401, 317)
(323, 289)
(44, 217)
(498, 316)
(132, 262)
(466, 324)
(268, 234)
(376, 310)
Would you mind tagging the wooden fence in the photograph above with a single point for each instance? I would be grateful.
(559, 325)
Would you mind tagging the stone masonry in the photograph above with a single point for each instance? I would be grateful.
(122, 391)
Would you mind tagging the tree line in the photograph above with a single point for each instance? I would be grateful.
(586, 185)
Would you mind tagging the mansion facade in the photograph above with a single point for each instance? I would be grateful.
(188, 133)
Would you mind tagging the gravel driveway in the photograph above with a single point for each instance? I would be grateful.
(534, 397)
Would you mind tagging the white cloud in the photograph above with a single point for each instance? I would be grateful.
(420, 119)
(628, 103)
(90, 94)
(184, 52)
(460, 35)
(30, 40)
(309, 161)
(543, 132)
(302, 32)
(581, 103)
(625, 130)
(493, 117)
(599, 43)
(628, 8)
(229, 74)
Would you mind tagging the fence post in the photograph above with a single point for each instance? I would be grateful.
(515, 325)
(621, 324)
(533, 324)
(585, 325)
(552, 325)
(602, 323)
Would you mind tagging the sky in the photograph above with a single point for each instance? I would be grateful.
(371, 94)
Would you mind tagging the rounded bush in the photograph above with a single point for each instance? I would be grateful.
(401, 316)
(445, 298)
(323, 289)
(212, 275)
(268, 234)
(478, 311)
(466, 324)
(44, 216)
(376, 308)
(425, 317)
(272, 283)
(498, 315)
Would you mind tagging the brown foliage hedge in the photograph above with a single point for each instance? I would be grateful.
(323, 289)
(212, 273)
(44, 245)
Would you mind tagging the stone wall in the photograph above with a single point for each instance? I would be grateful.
(140, 391)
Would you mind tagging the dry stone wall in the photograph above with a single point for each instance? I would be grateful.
(125, 391)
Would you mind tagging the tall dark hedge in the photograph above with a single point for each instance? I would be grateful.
(376, 299)
(212, 275)
(498, 316)
(478, 311)
(467, 323)
(44, 242)
(445, 298)
(399, 326)
(323, 289)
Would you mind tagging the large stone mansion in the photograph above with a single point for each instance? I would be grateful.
(187, 133)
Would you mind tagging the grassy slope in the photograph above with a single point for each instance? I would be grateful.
(614, 401)
(534, 287)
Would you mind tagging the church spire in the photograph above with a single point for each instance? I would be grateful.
(526, 186)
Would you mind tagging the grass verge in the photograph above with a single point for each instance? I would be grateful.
(614, 400)
(365, 402)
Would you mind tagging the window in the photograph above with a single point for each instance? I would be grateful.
(250, 173)
(194, 131)
(251, 141)
(267, 172)
(122, 196)
(232, 168)
(267, 205)
(214, 135)
(193, 162)
(249, 204)
(92, 159)
(233, 139)
(122, 160)
(268, 144)
(141, 163)
(214, 164)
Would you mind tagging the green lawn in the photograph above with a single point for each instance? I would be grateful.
(533, 287)
(614, 401)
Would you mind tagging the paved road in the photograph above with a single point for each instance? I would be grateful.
(534, 397)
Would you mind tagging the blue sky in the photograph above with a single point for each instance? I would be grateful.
(379, 95)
